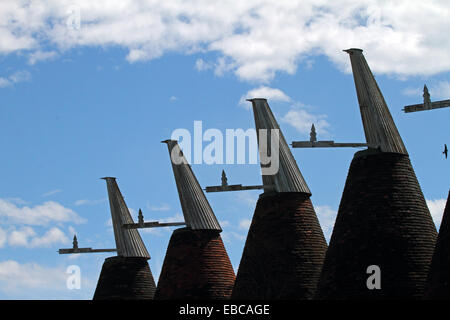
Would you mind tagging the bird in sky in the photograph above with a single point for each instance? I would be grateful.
(445, 151)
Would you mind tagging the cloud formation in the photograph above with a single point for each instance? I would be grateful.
(255, 39)
(438, 90)
(52, 192)
(437, 210)
(26, 237)
(271, 94)
(297, 116)
(16, 77)
(39, 215)
(302, 120)
(84, 202)
(30, 280)
(327, 217)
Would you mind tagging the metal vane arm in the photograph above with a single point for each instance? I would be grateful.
(427, 104)
(234, 187)
(75, 249)
(313, 143)
(153, 224)
(326, 144)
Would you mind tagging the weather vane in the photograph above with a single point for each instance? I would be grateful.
(128, 241)
(234, 187)
(313, 143)
(427, 104)
(75, 249)
(151, 224)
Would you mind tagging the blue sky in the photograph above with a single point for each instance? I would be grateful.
(80, 103)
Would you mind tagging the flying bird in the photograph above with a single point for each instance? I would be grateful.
(445, 151)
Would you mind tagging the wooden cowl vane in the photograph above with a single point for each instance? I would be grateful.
(128, 275)
(285, 245)
(438, 286)
(379, 127)
(196, 265)
(287, 176)
(384, 236)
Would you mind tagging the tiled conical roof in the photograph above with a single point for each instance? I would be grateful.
(383, 220)
(284, 250)
(439, 277)
(125, 278)
(197, 212)
(196, 266)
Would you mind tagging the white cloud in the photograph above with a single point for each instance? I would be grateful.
(244, 224)
(42, 215)
(41, 56)
(224, 223)
(441, 90)
(20, 76)
(51, 237)
(271, 94)
(108, 223)
(83, 202)
(33, 281)
(161, 207)
(27, 237)
(4, 82)
(19, 238)
(247, 198)
(16, 77)
(16, 200)
(255, 39)
(327, 217)
(238, 236)
(72, 231)
(202, 65)
(302, 120)
(14, 276)
(436, 208)
(175, 218)
(410, 91)
(227, 236)
(298, 117)
(3, 237)
(50, 193)
(437, 90)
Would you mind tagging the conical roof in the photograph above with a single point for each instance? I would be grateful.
(196, 266)
(197, 212)
(439, 277)
(288, 177)
(379, 127)
(382, 221)
(128, 241)
(284, 250)
(125, 278)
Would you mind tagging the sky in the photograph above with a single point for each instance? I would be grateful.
(89, 89)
